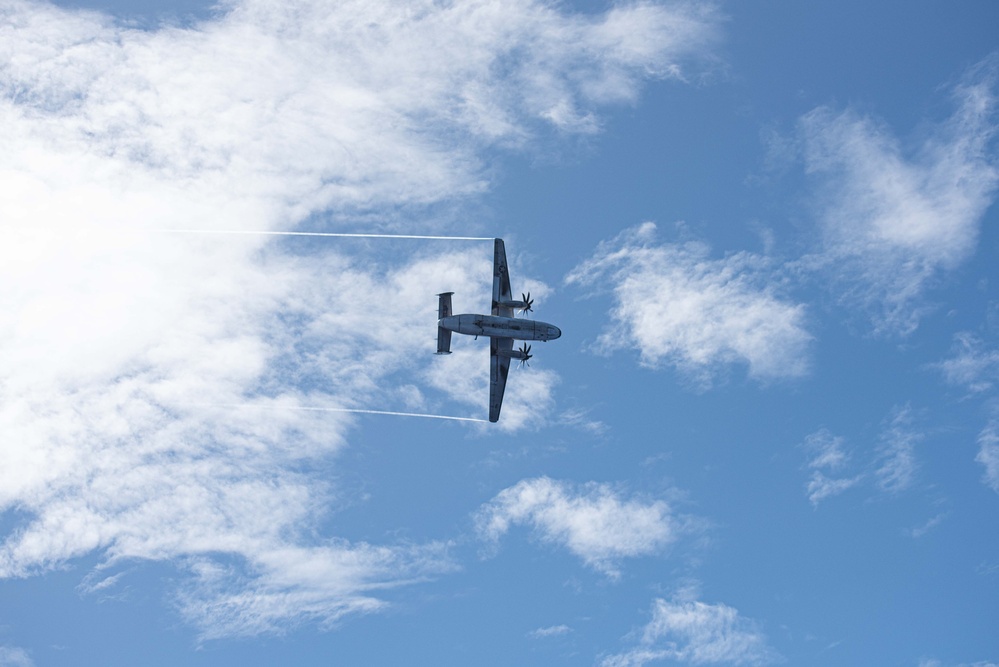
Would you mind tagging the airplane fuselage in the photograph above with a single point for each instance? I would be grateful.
(500, 327)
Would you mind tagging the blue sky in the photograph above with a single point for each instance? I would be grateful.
(768, 435)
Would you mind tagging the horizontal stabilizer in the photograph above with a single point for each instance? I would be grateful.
(444, 335)
(444, 305)
(443, 341)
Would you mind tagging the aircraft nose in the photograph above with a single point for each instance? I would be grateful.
(554, 332)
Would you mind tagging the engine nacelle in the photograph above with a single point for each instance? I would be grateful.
(515, 354)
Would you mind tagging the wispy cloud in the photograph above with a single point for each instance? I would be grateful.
(13, 656)
(826, 456)
(551, 631)
(972, 365)
(933, 662)
(892, 463)
(821, 487)
(893, 220)
(121, 344)
(593, 521)
(897, 464)
(930, 524)
(321, 583)
(988, 454)
(580, 419)
(679, 307)
(697, 633)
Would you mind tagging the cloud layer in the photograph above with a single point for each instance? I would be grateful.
(122, 345)
(303, 109)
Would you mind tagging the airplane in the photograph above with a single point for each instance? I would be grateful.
(502, 327)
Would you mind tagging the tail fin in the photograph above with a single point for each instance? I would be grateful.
(444, 335)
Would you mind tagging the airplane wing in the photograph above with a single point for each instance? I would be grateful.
(501, 282)
(499, 367)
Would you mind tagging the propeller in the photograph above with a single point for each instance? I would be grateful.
(528, 302)
(525, 350)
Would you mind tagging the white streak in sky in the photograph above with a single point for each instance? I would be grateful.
(321, 234)
(258, 406)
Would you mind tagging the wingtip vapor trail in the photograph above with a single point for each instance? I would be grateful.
(310, 408)
(322, 234)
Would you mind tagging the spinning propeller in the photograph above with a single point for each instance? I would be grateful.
(525, 351)
(528, 302)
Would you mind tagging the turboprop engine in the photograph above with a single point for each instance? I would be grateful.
(524, 353)
(524, 305)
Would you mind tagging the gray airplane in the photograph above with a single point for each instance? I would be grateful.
(501, 327)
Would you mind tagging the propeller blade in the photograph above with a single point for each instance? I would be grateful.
(525, 350)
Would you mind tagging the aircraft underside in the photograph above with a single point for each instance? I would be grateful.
(502, 328)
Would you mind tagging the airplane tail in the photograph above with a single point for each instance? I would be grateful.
(444, 335)
(444, 306)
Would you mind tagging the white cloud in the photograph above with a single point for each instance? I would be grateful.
(679, 307)
(119, 345)
(294, 105)
(130, 454)
(972, 365)
(826, 453)
(826, 450)
(580, 419)
(930, 524)
(323, 583)
(593, 522)
(551, 631)
(893, 222)
(893, 465)
(896, 453)
(12, 656)
(988, 455)
(820, 487)
(698, 633)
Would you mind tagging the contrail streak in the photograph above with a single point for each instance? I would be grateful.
(354, 410)
(326, 234)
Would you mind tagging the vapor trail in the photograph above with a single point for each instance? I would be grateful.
(354, 410)
(333, 234)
